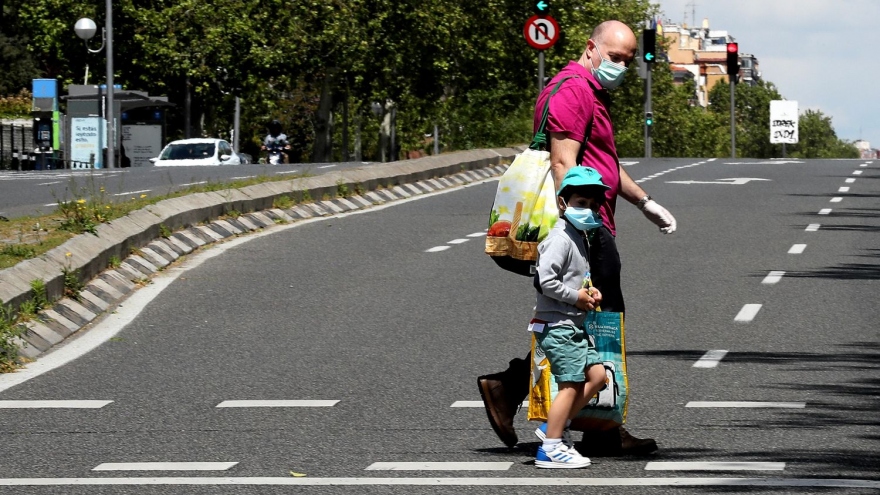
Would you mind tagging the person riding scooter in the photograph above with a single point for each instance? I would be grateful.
(276, 144)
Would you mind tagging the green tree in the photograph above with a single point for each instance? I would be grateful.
(817, 139)
(752, 116)
(17, 66)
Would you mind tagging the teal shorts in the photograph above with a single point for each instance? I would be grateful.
(569, 351)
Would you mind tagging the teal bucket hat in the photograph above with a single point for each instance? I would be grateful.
(580, 177)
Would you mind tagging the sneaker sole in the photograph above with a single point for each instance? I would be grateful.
(510, 439)
(561, 465)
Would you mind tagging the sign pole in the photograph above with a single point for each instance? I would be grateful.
(732, 118)
(540, 71)
(648, 106)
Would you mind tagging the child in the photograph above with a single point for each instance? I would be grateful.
(562, 303)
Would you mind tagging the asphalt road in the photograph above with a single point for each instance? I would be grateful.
(35, 193)
(359, 309)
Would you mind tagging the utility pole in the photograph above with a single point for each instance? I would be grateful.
(732, 72)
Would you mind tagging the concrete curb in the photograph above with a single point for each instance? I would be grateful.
(136, 239)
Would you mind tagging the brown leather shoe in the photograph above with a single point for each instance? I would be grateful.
(616, 442)
(502, 394)
(495, 402)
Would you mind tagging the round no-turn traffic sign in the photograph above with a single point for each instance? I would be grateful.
(541, 32)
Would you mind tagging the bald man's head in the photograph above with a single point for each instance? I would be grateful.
(616, 42)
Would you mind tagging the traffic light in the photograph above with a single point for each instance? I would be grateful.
(649, 45)
(542, 7)
(733, 62)
(649, 119)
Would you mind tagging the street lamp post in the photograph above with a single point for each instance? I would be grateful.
(85, 28)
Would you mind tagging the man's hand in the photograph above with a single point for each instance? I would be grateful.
(659, 216)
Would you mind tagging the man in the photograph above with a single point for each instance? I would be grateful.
(276, 139)
(580, 108)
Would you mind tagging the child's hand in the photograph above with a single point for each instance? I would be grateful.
(588, 298)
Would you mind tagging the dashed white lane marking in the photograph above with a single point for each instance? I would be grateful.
(836, 199)
(813, 227)
(797, 249)
(327, 166)
(283, 172)
(129, 193)
(243, 177)
(658, 174)
(50, 183)
(194, 183)
(863, 165)
(773, 277)
(449, 481)
(437, 249)
(278, 403)
(850, 180)
(476, 234)
(857, 172)
(458, 241)
(843, 190)
(714, 466)
(747, 404)
(164, 466)
(51, 204)
(747, 313)
(477, 403)
(439, 466)
(710, 359)
(53, 404)
(825, 211)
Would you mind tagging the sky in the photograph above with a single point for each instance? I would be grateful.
(822, 53)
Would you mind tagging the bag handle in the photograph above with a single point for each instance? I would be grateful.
(539, 141)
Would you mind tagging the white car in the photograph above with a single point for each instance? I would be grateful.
(197, 152)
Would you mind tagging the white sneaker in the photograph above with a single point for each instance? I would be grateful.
(541, 433)
(561, 457)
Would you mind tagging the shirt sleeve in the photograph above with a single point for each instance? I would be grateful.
(570, 110)
(552, 253)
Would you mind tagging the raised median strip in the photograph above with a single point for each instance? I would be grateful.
(148, 240)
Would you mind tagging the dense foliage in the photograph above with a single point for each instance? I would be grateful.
(319, 66)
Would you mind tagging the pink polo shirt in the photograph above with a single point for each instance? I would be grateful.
(578, 100)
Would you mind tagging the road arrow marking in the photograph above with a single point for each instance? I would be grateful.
(736, 181)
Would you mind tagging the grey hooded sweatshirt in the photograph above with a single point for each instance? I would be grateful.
(562, 267)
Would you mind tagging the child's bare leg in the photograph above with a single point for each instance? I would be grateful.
(561, 407)
(595, 382)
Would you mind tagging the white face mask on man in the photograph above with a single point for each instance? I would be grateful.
(609, 74)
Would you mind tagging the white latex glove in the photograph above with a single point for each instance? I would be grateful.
(660, 216)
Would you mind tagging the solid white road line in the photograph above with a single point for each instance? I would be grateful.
(715, 466)
(448, 481)
(857, 172)
(747, 313)
(53, 404)
(797, 249)
(477, 234)
(439, 466)
(710, 359)
(164, 466)
(836, 199)
(437, 249)
(278, 403)
(457, 241)
(825, 211)
(850, 180)
(132, 192)
(813, 227)
(843, 189)
(747, 404)
(773, 277)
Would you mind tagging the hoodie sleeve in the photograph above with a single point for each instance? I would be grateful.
(553, 253)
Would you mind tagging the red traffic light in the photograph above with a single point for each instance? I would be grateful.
(732, 47)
